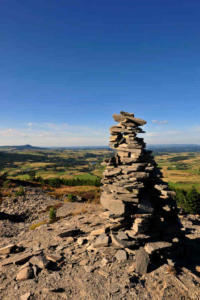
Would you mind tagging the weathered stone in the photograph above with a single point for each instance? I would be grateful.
(70, 233)
(7, 249)
(134, 167)
(121, 243)
(53, 258)
(127, 197)
(128, 160)
(17, 259)
(123, 154)
(141, 224)
(145, 206)
(39, 261)
(121, 255)
(69, 240)
(197, 268)
(114, 138)
(160, 187)
(81, 241)
(137, 121)
(113, 172)
(126, 114)
(104, 262)
(97, 232)
(25, 273)
(120, 190)
(115, 206)
(116, 129)
(101, 241)
(83, 262)
(142, 261)
(133, 151)
(25, 296)
(89, 269)
(156, 246)
(122, 235)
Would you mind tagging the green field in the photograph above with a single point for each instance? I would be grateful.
(52, 163)
(181, 170)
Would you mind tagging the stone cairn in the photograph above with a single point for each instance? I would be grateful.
(139, 203)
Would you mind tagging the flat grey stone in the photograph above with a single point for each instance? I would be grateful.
(122, 235)
(116, 207)
(122, 243)
(145, 206)
(25, 273)
(39, 261)
(25, 296)
(121, 255)
(7, 249)
(101, 241)
(155, 246)
(112, 172)
(17, 259)
(142, 261)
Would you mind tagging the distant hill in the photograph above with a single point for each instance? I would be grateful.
(155, 148)
(175, 148)
(21, 147)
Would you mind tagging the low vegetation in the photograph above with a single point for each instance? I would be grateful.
(75, 181)
(52, 214)
(20, 191)
(188, 200)
(77, 173)
(182, 170)
(34, 226)
(71, 198)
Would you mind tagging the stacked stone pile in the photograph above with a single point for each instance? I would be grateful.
(131, 176)
(133, 191)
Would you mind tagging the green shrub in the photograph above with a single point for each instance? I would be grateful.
(32, 175)
(6, 183)
(40, 180)
(54, 182)
(52, 214)
(20, 191)
(71, 198)
(188, 200)
(76, 181)
(193, 201)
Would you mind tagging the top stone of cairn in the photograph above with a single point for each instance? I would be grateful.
(125, 117)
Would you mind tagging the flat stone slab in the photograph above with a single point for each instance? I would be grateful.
(142, 261)
(101, 241)
(116, 207)
(145, 206)
(17, 259)
(121, 255)
(122, 235)
(70, 233)
(122, 243)
(155, 246)
(7, 249)
(112, 172)
(39, 261)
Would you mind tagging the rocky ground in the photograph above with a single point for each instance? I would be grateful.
(72, 258)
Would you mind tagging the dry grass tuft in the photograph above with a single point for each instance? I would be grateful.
(34, 226)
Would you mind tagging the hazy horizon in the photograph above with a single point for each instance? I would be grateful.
(95, 146)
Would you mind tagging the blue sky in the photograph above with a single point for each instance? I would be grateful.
(66, 66)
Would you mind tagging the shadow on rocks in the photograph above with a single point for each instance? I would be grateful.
(15, 218)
